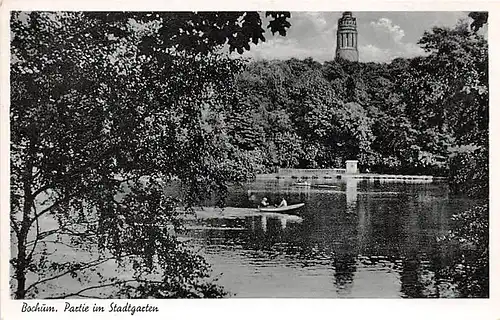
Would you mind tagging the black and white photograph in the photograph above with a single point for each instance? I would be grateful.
(248, 154)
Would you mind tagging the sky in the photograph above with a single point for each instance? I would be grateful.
(382, 36)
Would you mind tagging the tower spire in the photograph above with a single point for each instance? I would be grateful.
(347, 38)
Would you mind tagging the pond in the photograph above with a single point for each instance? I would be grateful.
(358, 240)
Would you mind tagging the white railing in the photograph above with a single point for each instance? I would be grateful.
(316, 172)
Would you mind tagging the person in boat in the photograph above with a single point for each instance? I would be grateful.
(283, 203)
(264, 203)
(251, 196)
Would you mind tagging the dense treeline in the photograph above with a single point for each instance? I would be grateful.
(410, 116)
(426, 115)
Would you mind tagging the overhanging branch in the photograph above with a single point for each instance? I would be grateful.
(82, 267)
(79, 293)
(15, 227)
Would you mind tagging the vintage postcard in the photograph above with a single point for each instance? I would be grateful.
(288, 160)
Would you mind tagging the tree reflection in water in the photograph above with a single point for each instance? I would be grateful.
(362, 235)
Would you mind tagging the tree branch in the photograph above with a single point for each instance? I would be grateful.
(73, 233)
(41, 189)
(15, 227)
(83, 267)
(79, 293)
(36, 238)
(49, 208)
(134, 177)
(63, 229)
(59, 243)
(87, 296)
(44, 234)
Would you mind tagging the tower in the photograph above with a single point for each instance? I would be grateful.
(347, 38)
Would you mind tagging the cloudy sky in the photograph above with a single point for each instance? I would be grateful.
(382, 36)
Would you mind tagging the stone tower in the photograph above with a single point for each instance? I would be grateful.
(347, 38)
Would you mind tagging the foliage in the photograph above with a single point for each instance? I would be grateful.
(99, 103)
(403, 117)
(471, 270)
(480, 19)
(469, 172)
(200, 32)
(463, 92)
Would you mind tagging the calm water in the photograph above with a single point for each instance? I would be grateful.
(362, 240)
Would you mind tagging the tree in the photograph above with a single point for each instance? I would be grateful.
(201, 32)
(469, 167)
(107, 108)
(469, 235)
(445, 94)
(480, 19)
(407, 116)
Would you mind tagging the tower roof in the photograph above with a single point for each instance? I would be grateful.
(347, 21)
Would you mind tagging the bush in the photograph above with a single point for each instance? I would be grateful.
(470, 234)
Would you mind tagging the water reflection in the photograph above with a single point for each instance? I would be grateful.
(345, 267)
(359, 240)
(264, 223)
(351, 191)
(411, 285)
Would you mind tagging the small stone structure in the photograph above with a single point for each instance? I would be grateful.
(351, 167)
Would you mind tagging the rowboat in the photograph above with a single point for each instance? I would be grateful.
(237, 213)
(325, 186)
(302, 184)
(283, 209)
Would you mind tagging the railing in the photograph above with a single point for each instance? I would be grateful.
(299, 172)
(284, 173)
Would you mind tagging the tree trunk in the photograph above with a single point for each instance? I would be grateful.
(22, 258)
(22, 263)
